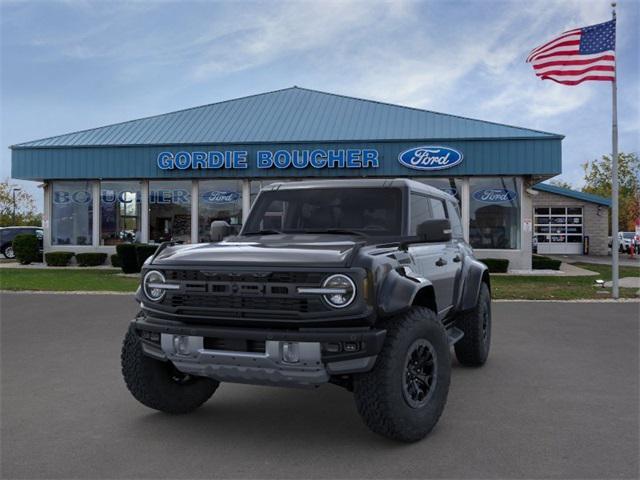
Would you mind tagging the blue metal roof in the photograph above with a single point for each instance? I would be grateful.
(290, 115)
(566, 192)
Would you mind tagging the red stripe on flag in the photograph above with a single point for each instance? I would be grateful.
(565, 34)
(584, 79)
(561, 44)
(602, 68)
(575, 62)
(571, 51)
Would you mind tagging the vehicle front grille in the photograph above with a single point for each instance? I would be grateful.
(256, 304)
(244, 294)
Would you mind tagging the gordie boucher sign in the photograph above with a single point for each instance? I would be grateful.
(426, 157)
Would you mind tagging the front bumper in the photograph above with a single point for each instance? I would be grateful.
(257, 356)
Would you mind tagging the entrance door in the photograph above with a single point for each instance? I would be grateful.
(558, 230)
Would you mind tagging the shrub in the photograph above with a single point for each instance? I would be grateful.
(58, 259)
(127, 256)
(143, 252)
(115, 261)
(496, 265)
(92, 259)
(545, 263)
(26, 248)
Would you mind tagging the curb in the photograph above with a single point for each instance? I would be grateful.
(577, 300)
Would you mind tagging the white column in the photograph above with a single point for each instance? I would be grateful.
(526, 237)
(194, 211)
(246, 199)
(46, 216)
(95, 192)
(144, 211)
(464, 200)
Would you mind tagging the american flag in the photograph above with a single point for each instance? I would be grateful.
(578, 55)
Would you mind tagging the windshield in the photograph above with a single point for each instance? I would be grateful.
(368, 211)
(628, 234)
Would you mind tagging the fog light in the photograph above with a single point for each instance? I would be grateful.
(181, 344)
(291, 352)
(351, 347)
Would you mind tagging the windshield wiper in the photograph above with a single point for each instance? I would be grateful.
(263, 232)
(337, 231)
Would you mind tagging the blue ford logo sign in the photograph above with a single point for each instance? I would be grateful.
(430, 157)
(495, 195)
(220, 197)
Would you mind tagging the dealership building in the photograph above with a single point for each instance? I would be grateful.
(168, 177)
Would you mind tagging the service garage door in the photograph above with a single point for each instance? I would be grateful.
(558, 230)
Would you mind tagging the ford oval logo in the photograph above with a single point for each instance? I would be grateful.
(430, 157)
(495, 195)
(220, 197)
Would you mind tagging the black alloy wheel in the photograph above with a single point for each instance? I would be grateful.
(420, 373)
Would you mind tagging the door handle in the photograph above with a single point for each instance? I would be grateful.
(441, 262)
(457, 259)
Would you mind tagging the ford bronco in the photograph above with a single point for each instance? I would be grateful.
(364, 283)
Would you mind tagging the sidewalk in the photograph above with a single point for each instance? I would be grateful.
(624, 259)
(566, 270)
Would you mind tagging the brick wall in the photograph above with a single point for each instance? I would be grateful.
(595, 226)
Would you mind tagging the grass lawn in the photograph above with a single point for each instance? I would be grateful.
(89, 280)
(560, 288)
(503, 287)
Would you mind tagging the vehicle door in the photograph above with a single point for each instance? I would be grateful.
(456, 248)
(431, 260)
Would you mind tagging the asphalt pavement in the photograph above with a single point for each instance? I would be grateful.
(557, 399)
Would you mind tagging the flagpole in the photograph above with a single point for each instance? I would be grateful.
(615, 293)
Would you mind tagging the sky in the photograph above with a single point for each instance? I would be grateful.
(77, 64)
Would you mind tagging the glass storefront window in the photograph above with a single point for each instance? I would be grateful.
(494, 212)
(71, 213)
(218, 200)
(119, 212)
(170, 211)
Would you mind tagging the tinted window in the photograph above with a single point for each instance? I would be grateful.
(72, 213)
(372, 211)
(420, 211)
(454, 217)
(170, 211)
(120, 210)
(437, 209)
(494, 213)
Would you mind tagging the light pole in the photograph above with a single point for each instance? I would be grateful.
(13, 193)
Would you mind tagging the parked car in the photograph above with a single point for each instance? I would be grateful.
(624, 241)
(7, 234)
(365, 284)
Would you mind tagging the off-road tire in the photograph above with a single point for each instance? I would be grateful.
(473, 349)
(379, 395)
(151, 381)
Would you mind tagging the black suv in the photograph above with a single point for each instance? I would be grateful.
(7, 234)
(362, 283)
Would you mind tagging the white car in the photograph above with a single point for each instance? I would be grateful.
(624, 240)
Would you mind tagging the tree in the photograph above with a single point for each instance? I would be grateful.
(597, 178)
(561, 183)
(25, 207)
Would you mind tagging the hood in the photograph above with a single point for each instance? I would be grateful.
(268, 250)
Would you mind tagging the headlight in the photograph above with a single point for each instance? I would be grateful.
(342, 290)
(151, 285)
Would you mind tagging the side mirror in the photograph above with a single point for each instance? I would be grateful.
(436, 230)
(219, 229)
